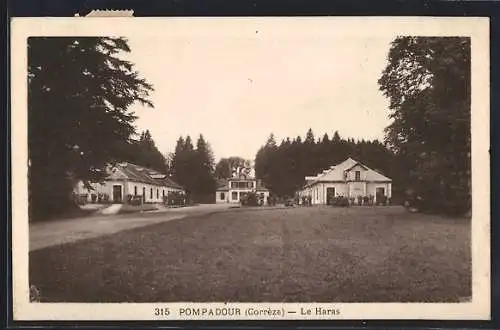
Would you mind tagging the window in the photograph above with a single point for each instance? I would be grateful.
(157, 193)
(234, 196)
(163, 193)
(358, 175)
(222, 196)
(135, 190)
(242, 184)
(151, 193)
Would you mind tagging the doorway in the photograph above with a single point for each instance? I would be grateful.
(380, 191)
(330, 195)
(117, 193)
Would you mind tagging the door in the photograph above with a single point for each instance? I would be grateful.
(330, 195)
(117, 193)
(380, 195)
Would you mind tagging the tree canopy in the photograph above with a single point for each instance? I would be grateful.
(231, 166)
(79, 94)
(427, 81)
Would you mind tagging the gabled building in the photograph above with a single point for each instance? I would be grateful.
(231, 190)
(125, 179)
(348, 179)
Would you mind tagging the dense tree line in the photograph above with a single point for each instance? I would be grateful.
(79, 94)
(427, 81)
(193, 168)
(283, 167)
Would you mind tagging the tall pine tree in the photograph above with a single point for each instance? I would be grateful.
(79, 94)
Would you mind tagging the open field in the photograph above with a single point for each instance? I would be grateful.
(315, 254)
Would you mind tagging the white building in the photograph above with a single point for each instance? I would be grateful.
(231, 190)
(349, 179)
(126, 179)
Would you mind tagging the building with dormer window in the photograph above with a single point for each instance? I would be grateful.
(350, 179)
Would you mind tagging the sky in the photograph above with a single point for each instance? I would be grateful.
(236, 89)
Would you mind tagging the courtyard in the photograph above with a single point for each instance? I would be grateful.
(301, 254)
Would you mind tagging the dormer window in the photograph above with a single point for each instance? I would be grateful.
(357, 175)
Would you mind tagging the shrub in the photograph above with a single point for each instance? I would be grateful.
(366, 200)
(381, 200)
(271, 200)
(249, 199)
(341, 201)
(105, 198)
(81, 199)
(175, 198)
(93, 198)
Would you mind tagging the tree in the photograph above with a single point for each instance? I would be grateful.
(193, 168)
(233, 166)
(145, 153)
(79, 94)
(203, 173)
(427, 81)
(309, 137)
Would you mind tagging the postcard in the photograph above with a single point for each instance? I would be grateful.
(257, 168)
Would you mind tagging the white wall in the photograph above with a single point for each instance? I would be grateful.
(228, 195)
(371, 188)
(218, 196)
(127, 188)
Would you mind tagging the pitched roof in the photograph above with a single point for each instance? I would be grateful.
(132, 172)
(336, 173)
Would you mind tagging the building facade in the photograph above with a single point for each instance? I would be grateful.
(350, 179)
(231, 190)
(126, 179)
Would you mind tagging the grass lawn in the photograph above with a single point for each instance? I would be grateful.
(284, 255)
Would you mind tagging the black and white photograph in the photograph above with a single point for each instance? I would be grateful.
(251, 168)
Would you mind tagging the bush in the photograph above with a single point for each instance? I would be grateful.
(366, 200)
(175, 198)
(105, 199)
(271, 200)
(249, 199)
(93, 198)
(81, 199)
(381, 200)
(340, 201)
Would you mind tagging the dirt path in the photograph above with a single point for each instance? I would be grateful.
(58, 232)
